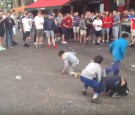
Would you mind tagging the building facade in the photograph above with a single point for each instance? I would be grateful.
(101, 5)
(19, 3)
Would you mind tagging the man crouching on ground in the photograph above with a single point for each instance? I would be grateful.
(70, 62)
(91, 77)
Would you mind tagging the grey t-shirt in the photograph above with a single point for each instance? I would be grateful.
(116, 19)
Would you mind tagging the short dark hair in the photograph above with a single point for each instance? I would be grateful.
(125, 35)
(98, 59)
(61, 52)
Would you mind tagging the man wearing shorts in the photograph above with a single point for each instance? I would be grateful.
(39, 24)
(76, 21)
(97, 23)
(82, 26)
(49, 26)
(106, 27)
(26, 23)
(132, 32)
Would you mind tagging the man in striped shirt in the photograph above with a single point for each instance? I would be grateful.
(76, 21)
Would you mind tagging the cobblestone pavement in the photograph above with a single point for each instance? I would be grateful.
(31, 83)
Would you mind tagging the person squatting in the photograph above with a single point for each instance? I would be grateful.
(93, 76)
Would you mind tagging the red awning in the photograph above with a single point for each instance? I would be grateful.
(47, 3)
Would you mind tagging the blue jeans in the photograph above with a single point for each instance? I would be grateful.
(91, 83)
(115, 68)
(9, 38)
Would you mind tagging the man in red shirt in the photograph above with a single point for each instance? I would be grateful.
(107, 21)
(132, 32)
(68, 26)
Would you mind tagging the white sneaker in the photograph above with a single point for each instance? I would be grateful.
(107, 41)
(103, 41)
(64, 42)
(93, 42)
(76, 75)
(3, 48)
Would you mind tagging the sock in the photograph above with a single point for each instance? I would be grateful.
(95, 96)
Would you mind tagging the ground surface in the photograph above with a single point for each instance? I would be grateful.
(43, 91)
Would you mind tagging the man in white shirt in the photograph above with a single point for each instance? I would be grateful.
(91, 77)
(39, 24)
(26, 23)
(97, 23)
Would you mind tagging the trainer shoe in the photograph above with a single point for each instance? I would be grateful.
(131, 45)
(26, 45)
(96, 100)
(48, 46)
(116, 95)
(64, 42)
(76, 75)
(54, 46)
(3, 48)
(84, 93)
(94, 42)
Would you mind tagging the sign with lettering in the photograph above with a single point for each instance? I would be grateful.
(120, 2)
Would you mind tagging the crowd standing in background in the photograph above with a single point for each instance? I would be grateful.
(88, 27)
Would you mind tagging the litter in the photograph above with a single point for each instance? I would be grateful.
(63, 112)
(19, 77)
(93, 108)
(47, 90)
(69, 102)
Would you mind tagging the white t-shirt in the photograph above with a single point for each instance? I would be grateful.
(97, 24)
(92, 71)
(39, 22)
(26, 24)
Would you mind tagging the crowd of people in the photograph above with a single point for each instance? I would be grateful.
(86, 27)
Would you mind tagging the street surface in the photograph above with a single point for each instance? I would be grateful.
(31, 83)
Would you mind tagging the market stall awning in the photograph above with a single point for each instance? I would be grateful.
(19, 9)
(48, 3)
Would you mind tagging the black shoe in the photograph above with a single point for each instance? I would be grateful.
(116, 95)
(14, 43)
(97, 43)
(131, 45)
(84, 93)
(97, 101)
(26, 45)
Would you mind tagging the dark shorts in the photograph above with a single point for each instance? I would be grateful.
(98, 33)
(64, 31)
(26, 34)
(2, 33)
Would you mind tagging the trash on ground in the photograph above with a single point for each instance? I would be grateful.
(19, 77)
(48, 90)
(93, 108)
(63, 112)
(69, 102)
